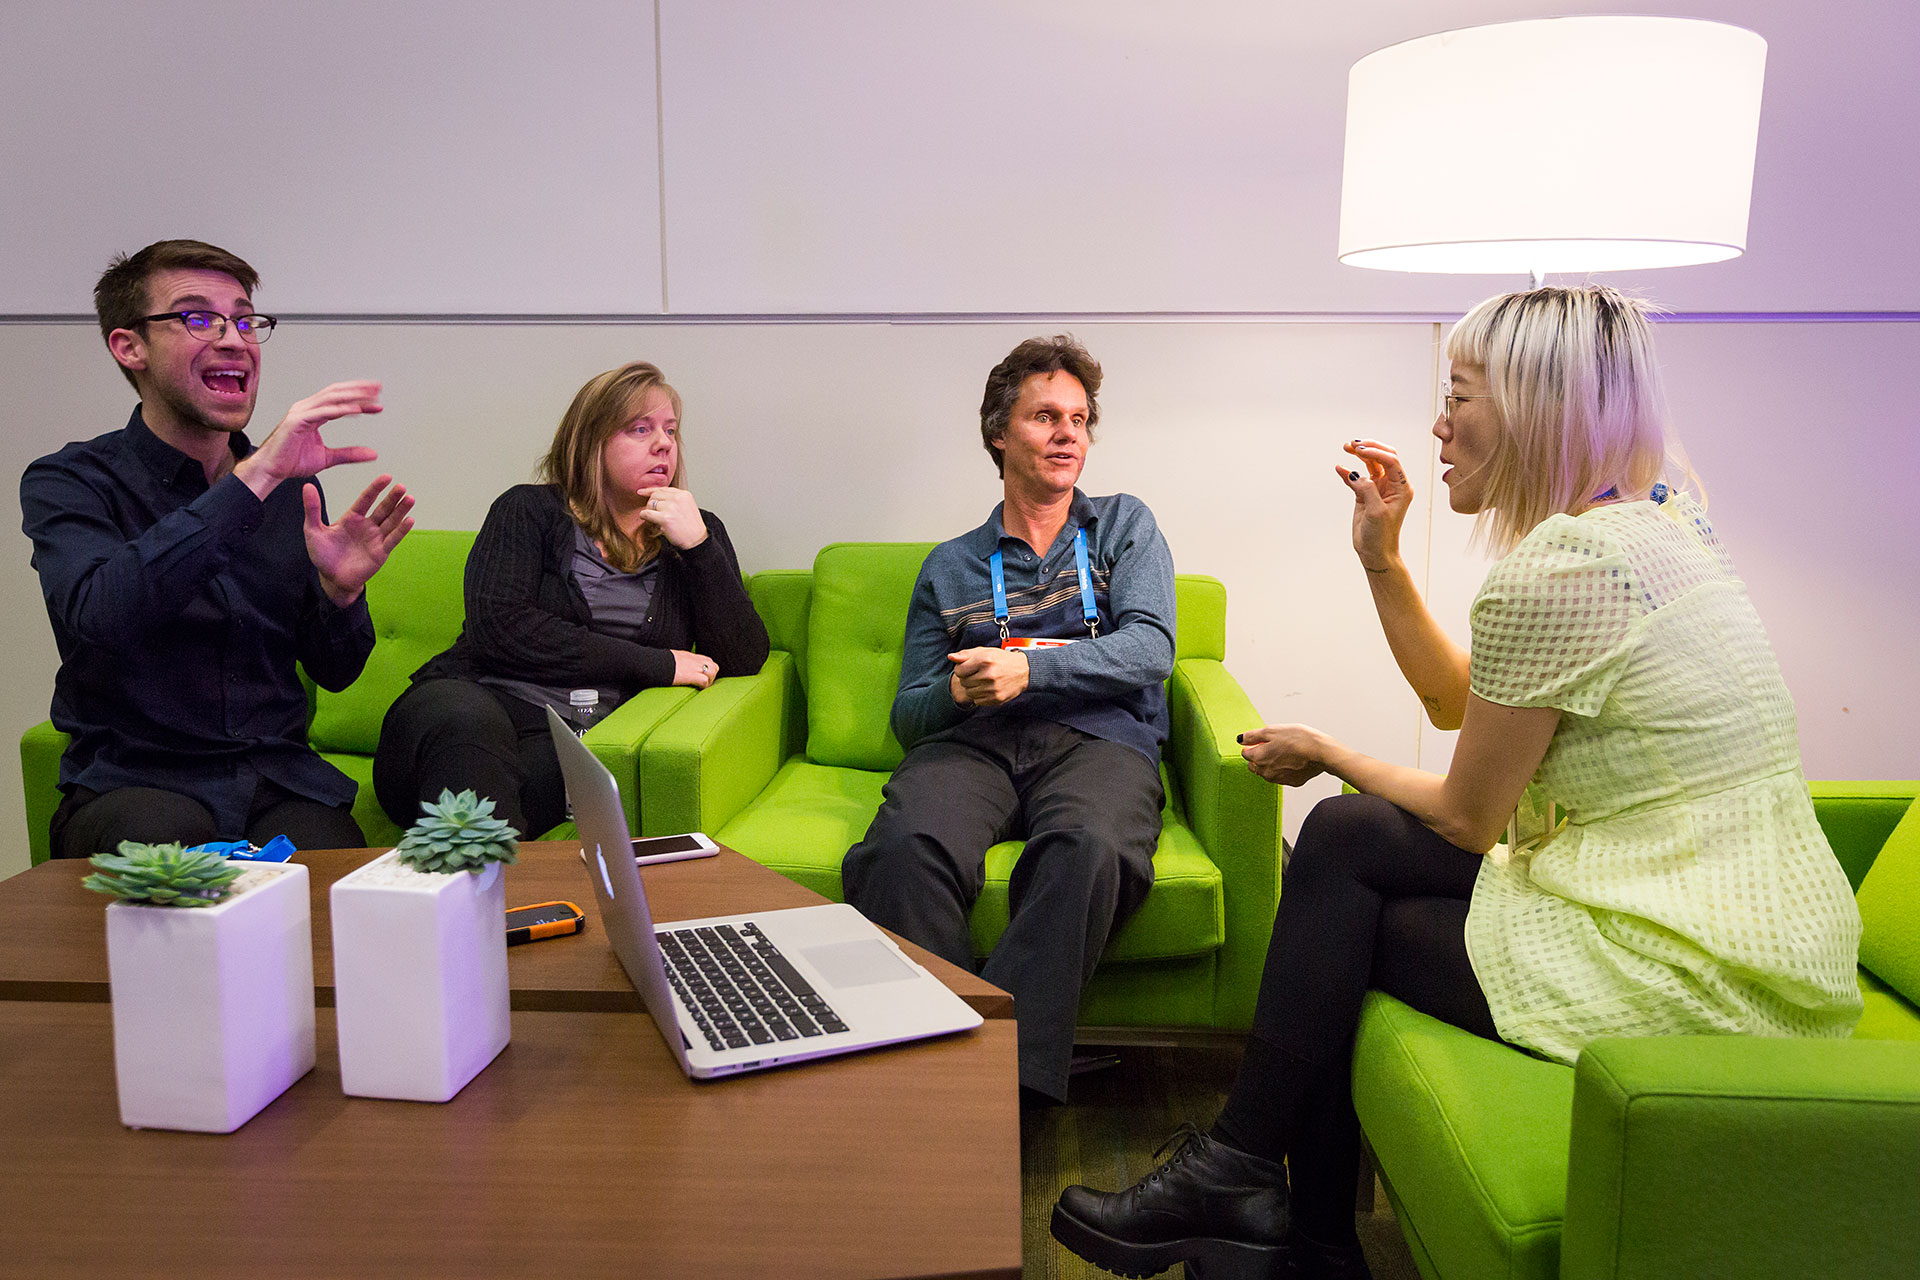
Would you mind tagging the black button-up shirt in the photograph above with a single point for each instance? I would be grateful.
(179, 610)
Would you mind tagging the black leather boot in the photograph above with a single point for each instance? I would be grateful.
(1211, 1205)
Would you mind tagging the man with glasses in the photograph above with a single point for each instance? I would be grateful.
(186, 571)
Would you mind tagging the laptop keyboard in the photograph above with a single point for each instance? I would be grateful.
(740, 989)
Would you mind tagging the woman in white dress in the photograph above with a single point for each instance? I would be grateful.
(1624, 725)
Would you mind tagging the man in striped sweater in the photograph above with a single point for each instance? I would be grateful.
(1031, 706)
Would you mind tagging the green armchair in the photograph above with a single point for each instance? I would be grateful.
(1678, 1156)
(418, 609)
(787, 767)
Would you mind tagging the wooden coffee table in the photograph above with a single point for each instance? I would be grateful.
(55, 947)
(582, 1150)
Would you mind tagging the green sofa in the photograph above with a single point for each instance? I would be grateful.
(787, 767)
(418, 609)
(1681, 1156)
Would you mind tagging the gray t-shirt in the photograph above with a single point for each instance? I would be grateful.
(618, 602)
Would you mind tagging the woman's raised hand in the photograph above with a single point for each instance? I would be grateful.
(1381, 498)
(676, 515)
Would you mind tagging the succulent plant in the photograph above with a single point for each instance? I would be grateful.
(459, 833)
(163, 874)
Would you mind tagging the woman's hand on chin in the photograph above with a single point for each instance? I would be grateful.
(1381, 498)
(676, 515)
(1285, 754)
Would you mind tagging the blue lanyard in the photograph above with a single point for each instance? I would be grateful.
(1657, 496)
(1087, 609)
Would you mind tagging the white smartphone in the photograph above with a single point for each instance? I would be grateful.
(673, 848)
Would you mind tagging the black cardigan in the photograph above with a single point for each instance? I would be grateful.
(527, 619)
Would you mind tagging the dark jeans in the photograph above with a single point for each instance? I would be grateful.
(89, 822)
(1371, 899)
(458, 735)
(1089, 811)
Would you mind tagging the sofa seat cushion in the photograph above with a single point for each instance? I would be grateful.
(810, 814)
(1184, 915)
(1472, 1137)
(1887, 1015)
(805, 821)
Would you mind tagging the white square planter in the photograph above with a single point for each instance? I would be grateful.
(212, 1006)
(419, 978)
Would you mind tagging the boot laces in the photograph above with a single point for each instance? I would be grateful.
(1184, 1141)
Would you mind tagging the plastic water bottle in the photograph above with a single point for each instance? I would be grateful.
(583, 708)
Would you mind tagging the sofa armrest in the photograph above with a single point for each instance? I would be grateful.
(616, 740)
(1858, 817)
(1235, 814)
(703, 764)
(1709, 1156)
(40, 750)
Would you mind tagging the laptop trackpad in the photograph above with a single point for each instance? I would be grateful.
(858, 964)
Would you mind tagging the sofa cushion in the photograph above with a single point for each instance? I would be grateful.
(418, 606)
(1886, 1016)
(1482, 1187)
(1184, 915)
(855, 632)
(805, 821)
(809, 816)
(1889, 900)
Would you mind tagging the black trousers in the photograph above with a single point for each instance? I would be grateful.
(1089, 811)
(1372, 898)
(459, 735)
(89, 822)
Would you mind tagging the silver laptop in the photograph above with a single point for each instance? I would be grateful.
(742, 993)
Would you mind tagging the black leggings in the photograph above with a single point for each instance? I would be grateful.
(460, 735)
(1371, 899)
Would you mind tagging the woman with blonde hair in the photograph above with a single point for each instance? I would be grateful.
(1622, 720)
(604, 576)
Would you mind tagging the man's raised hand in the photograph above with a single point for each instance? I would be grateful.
(295, 447)
(350, 550)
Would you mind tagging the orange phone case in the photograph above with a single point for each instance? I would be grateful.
(548, 928)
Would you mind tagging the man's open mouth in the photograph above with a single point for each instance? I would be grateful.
(226, 382)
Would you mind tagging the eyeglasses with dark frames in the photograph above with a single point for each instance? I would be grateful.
(211, 326)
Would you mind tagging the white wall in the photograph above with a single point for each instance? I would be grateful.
(863, 156)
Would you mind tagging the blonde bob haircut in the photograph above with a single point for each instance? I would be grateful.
(605, 405)
(1579, 398)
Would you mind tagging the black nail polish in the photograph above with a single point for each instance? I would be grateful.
(1353, 475)
(1240, 738)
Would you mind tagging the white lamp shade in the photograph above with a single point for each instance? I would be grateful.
(1556, 145)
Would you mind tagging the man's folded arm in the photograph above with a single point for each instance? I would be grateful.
(1139, 651)
(924, 704)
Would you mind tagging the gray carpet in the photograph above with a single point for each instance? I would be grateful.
(1105, 1137)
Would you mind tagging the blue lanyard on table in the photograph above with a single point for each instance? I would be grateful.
(1087, 609)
